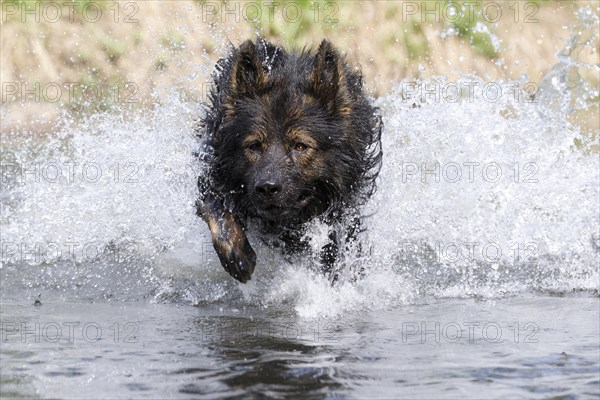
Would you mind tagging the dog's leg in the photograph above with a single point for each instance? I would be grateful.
(229, 239)
(353, 243)
(331, 251)
(329, 255)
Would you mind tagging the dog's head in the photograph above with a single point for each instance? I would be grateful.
(292, 133)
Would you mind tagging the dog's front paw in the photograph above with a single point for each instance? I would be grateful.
(231, 244)
(238, 259)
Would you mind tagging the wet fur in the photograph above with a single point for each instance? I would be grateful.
(297, 119)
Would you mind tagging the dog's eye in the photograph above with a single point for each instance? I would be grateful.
(255, 146)
(300, 147)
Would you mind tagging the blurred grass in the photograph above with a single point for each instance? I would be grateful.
(481, 41)
(308, 16)
(175, 44)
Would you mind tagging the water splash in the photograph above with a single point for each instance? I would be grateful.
(570, 86)
(483, 192)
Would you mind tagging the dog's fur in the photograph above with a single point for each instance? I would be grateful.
(288, 137)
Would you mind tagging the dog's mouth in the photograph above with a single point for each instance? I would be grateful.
(274, 211)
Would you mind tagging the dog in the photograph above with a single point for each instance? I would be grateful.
(287, 137)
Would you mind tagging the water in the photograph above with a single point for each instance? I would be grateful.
(482, 275)
(177, 351)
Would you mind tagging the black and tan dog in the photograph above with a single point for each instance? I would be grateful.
(288, 137)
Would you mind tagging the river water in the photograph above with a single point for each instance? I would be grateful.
(481, 277)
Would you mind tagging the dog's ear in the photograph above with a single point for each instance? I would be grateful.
(247, 73)
(328, 80)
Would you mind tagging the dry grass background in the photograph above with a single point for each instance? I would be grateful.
(174, 44)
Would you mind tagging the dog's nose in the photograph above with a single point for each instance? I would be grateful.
(267, 188)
